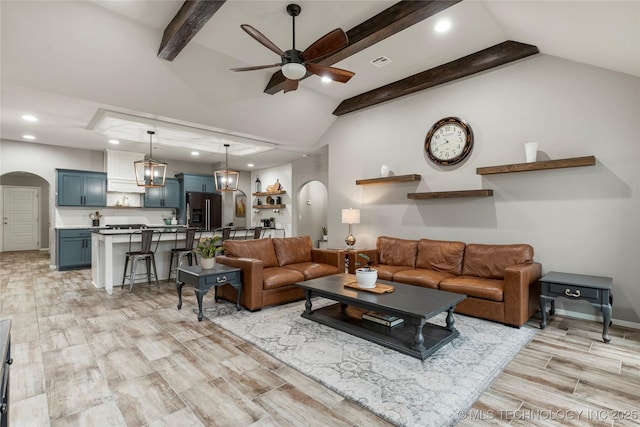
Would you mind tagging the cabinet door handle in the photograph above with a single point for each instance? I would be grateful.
(568, 293)
(221, 279)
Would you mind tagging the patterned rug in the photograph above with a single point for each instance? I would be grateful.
(399, 388)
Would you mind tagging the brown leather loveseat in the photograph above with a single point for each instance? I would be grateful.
(500, 281)
(271, 267)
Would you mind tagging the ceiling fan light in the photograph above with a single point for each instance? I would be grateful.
(294, 71)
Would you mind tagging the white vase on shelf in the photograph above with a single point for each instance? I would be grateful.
(384, 171)
(531, 151)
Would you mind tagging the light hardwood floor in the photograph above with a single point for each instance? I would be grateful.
(84, 358)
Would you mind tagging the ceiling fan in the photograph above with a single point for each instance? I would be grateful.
(295, 64)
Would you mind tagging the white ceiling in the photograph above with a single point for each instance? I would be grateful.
(63, 61)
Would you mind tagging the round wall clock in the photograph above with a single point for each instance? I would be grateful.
(449, 141)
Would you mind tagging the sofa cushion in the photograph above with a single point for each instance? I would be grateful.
(392, 251)
(440, 255)
(386, 272)
(489, 289)
(261, 249)
(292, 250)
(313, 270)
(490, 261)
(277, 277)
(421, 277)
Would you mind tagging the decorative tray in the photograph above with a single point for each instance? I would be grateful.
(379, 289)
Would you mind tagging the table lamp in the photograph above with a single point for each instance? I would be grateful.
(350, 216)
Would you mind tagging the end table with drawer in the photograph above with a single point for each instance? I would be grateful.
(595, 289)
(204, 279)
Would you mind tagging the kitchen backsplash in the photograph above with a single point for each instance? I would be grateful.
(80, 217)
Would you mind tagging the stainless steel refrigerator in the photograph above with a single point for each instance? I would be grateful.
(204, 210)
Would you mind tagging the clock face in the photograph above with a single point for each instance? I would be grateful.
(449, 141)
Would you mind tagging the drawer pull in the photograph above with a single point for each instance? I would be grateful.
(568, 293)
(221, 279)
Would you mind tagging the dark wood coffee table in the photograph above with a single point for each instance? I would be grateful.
(414, 304)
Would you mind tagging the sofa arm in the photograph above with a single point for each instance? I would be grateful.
(521, 292)
(334, 257)
(252, 279)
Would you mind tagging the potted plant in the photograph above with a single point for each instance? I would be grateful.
(366, 276)
(324, 232)
(208, 249)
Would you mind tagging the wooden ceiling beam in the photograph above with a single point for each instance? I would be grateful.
(185, 25)
(387, 23)
(486, 59)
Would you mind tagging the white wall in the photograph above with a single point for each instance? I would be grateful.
(582, 220)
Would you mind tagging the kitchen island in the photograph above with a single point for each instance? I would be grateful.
(108, 248)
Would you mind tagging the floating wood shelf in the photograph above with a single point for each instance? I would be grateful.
(450, 194)
(269, 206)
(266, 193)
(535, 166)
(390, 179)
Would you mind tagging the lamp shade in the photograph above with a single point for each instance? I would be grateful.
(226, 179)
(351, 216)
(150, 173)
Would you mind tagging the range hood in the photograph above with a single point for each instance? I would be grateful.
(121, 175)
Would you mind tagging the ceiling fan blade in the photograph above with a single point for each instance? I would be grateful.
(257, 67)
(335, 74)
(326, 45)
(290, 85)
(262, 39)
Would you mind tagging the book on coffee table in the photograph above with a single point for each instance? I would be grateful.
(381, 318)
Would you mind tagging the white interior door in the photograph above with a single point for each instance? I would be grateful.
(21, 219)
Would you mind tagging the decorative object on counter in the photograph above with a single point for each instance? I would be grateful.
(258, 185)
(384, 171)
(149, 172)
(531, 151)
(350, 216)
(174, 221)
(274, 188)
(125, 201)
(324, 232)
(95, 219)
(167, 220)
(366, 276)
(208, 248)
(226, 179)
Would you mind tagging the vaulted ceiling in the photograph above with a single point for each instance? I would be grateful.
(66, 62)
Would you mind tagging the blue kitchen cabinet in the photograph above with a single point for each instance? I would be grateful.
(81, 188)
(163, 197)
(74, 249)
(198, 183)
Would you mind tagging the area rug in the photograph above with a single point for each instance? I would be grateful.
(401, 389)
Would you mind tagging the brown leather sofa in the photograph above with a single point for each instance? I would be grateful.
(271, 267)
(500, 281)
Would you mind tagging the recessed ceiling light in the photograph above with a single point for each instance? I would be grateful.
(195, 153)
(443, 25)
(250, 165)
(114, 141)
(326, 79)
(30, 118)
(28, 137)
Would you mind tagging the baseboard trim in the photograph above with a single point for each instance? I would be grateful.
(596, 318)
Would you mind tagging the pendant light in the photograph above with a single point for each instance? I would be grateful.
(226, 180)
(150, 173)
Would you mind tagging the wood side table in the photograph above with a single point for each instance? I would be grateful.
(203, 280)
(595, 289)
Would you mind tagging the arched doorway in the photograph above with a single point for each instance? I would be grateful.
(312, 210)
(24, 204)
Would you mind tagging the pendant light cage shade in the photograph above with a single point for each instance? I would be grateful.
(226, 179)
(150, 173)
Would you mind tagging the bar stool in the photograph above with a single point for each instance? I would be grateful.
(190, 234)
(146, 253)
(257, 232)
